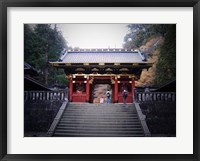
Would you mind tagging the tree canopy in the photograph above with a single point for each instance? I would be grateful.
(44, 43)
(140, 34)
(166, 65)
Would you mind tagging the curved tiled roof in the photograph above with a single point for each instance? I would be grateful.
(102, 57)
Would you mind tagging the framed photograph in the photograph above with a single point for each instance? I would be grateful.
(109, 80)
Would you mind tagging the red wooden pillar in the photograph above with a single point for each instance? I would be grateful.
(116, 90)
(133, 87)
(71, 89)
(88, 90)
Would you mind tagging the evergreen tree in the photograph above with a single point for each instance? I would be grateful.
(43, 43)
(166, 65)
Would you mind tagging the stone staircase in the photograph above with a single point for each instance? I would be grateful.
(99, 120)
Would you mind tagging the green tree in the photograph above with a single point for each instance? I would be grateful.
(43, 43)
(30, 51)
(166, 65)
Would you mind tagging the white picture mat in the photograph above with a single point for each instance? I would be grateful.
(181, 144)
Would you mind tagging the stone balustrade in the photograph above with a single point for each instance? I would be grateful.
(46, 95)
(154, 96)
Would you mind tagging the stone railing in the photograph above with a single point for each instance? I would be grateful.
(154, 96)
(46, 95)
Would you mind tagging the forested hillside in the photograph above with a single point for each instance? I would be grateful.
(158, 41)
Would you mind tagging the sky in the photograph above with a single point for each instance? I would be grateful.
(94, 35)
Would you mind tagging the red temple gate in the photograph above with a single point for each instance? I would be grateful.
(117, 68)
(80, 86)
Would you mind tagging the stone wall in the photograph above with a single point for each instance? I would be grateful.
(39, 115)
(160, 117)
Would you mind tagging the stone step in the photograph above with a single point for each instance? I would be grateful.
(100, 105)
(101, 110)
(97, 131)
(99, 121)
(100, 132)
(96, 135)
(98, 108)
(102, 120)
(101, 124)
(106, 128)
(67, 113)
(98, 117)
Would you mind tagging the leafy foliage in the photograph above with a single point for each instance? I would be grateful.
(166, 65)
(43, 43)
(140, 34)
